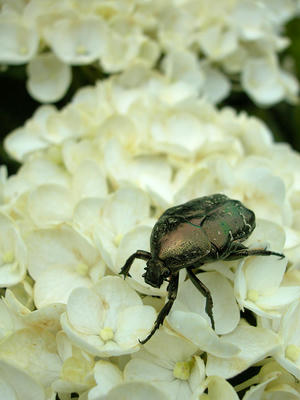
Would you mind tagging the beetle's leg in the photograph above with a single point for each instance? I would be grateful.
(206, 293)
(172, 293)
(141, 254)
(239, 251)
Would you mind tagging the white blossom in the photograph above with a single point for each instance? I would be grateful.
(95, 177)
(239, 40)
(108, 320)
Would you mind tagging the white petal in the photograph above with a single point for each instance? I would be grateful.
(33, 348)
(134, 323)
(225, 310)
(13, 255)
(127, 206)
(43, 205)
(88, 342)
(256, 392)
(261, 81)
(89, 181)
(220, 389)
(117, 295)
(143, 370)
(56, 283)
(135, 391)
(255, 344)
(196, 329)
(84, 39)
(18, 383)
(48, 247)
(48, 78)
(18, 42)
(107, 375)
(167, 349)
(85, 311)
(216, 85)
(264, 274)
(20, 143)
(282, 297)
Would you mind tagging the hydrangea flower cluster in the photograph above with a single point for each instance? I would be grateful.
(95, 177)
(208, 48)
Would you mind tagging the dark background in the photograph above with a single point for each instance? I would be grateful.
(16, 106)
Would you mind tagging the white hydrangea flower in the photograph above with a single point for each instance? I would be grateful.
(107, 320)
(169, 362)
(96, 176)
(19, 39)
(72, 262)
(237, 40)
(120, 213)
(85, 38)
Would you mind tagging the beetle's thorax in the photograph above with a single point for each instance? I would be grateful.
(156, 272)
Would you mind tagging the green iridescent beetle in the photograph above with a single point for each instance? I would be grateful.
(189, 235)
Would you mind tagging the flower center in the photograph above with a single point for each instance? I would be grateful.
(117, 239)
(8, 257)
(292, 352)
(182, 369)
(81, 50)
(252, 295)
(106, 334)
(82, 269)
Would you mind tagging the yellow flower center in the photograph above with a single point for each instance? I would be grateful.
(292, 352)
(106, 334)
(81, 49)
(117, 239)
(252, 295)
(23, 50)
(182, 369)
(82, 269)
(8, 257)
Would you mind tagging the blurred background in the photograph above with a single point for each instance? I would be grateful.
(16, 105)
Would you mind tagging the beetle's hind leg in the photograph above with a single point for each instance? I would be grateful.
(240, 251)
(172, 294)
(141, 254)
(206, 293)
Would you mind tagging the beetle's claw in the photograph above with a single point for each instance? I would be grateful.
(125, 274)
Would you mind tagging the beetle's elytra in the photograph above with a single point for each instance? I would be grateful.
(200, 231)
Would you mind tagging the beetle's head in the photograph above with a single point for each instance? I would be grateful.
(156, 272)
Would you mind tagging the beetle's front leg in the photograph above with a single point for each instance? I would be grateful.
(172, 293)
(141, 254)
(238, 250)
(206, 293)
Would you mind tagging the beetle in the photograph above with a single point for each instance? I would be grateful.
(203, 230)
